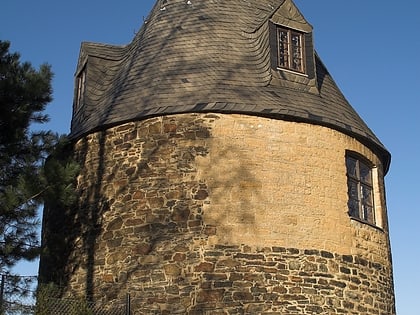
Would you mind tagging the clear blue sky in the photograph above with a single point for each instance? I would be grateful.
(371, 48)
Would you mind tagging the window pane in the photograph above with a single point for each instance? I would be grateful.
(365, 173)
(353, 189)
(351, 167)
(367, 195)
(283, 49)
(368, 214)
(283, 38)
(354, 208)
(296, 40)
(296, 52)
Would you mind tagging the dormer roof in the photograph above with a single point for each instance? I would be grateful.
(211, 56)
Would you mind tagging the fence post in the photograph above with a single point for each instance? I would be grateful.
(3, 279)
(128, 305)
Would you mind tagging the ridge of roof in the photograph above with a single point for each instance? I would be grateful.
(208, 56)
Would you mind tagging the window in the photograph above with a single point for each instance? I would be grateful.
(360, 189)
(290, 50)
(80, 84)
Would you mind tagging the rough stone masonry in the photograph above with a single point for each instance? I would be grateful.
(192, 214)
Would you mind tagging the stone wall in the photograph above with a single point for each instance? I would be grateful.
(272, 280)
(226, 214)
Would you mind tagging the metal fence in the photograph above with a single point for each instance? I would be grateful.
(78, 307)
(19, 296)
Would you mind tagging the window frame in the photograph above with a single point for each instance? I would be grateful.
(284, 58)
(81, 87)
(361, 189)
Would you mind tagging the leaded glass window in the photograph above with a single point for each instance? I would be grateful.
(360, 189)
(290, 49)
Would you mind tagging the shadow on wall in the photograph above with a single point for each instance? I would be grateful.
(150, 229)
(70, 231)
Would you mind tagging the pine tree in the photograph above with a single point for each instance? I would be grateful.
(24, 95)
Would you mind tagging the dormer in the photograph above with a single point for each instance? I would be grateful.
(95, 72)
(291, 49)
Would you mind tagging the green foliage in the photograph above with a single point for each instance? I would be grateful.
(59, 174)
(24, 182)
(18, 294)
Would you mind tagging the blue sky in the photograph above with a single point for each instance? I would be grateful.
(371, 48)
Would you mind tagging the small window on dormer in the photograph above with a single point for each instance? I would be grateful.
(290, 49)
(80, 85)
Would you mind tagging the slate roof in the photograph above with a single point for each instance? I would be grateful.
(208, 56)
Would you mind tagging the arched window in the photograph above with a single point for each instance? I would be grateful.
(360, 189)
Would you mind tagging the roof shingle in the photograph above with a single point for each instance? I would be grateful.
(209, 56)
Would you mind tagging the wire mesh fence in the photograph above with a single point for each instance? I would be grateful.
(21, 296)
(78, 307)
(16, 308)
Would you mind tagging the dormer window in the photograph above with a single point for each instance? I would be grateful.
(80, 85)
(290, 49)
(292, 55)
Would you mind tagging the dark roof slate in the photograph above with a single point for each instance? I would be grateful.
(208, 56)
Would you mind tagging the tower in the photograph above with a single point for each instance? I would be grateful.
(223, 172)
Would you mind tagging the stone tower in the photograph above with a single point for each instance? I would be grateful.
(222, 172)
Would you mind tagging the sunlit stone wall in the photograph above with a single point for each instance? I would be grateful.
(226, 214)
